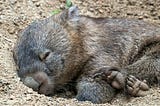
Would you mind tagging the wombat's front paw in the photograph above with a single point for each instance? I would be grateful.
(91, 92)
(136, 87)
(96, 92)
(113, 76)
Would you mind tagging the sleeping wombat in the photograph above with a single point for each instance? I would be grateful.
(101, 55)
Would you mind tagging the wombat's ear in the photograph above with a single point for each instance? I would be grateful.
(73, 14)
(68, 15)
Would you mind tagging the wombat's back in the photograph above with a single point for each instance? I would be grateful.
(124, 39)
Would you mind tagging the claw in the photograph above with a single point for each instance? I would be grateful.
(136, 87)
(130, 83)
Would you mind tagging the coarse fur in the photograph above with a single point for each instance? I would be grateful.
(99, 54)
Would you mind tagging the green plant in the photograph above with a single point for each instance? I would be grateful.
(68, 5)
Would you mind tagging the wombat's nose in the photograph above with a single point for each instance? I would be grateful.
(39, 82)
(31, 82)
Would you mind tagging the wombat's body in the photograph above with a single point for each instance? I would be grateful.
(98, 53)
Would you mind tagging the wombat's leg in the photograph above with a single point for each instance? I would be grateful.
(121, 80)
(146, 68)
(136, 87)
(94, 90)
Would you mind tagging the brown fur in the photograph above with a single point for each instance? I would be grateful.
(80, 46)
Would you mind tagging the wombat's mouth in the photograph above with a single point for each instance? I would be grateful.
(39, 82)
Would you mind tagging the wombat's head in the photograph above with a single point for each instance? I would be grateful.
(49, 52)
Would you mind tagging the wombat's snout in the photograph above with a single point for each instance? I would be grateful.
(39, 82)
(30, 82)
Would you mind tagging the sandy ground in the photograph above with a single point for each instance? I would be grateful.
(17, 14)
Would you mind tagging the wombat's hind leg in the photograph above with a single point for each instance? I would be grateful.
(136, 87)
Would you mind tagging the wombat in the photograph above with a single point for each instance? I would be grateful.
(100, 55)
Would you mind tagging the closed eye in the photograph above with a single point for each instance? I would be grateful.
(44, 55)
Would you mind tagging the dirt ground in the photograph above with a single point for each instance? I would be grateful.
(17, 14)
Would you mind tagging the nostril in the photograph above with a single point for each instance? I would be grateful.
(30, 82)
